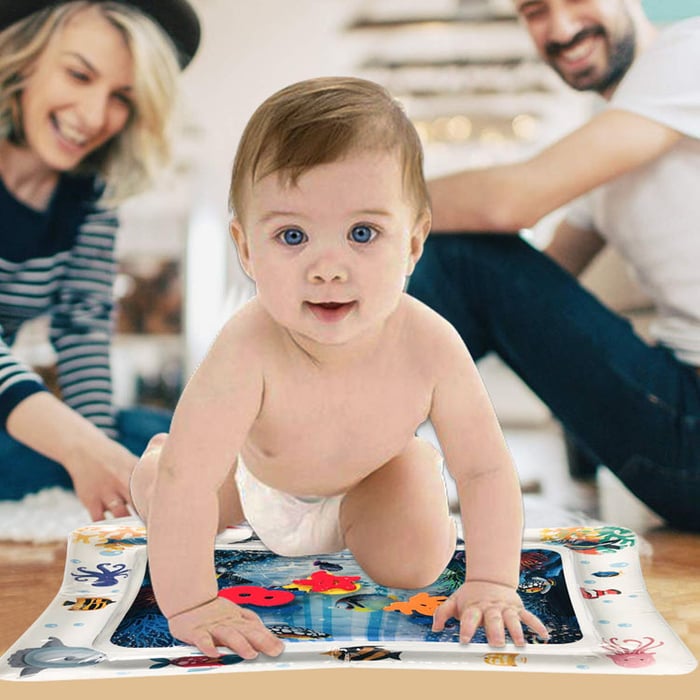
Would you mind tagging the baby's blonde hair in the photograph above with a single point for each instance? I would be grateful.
(129, 161)
(322, 120)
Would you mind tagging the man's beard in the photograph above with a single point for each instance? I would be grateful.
(620, 58)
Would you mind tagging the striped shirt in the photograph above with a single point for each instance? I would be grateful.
(59, 263)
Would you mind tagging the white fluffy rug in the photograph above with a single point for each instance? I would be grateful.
(46, 516)
(52, 514)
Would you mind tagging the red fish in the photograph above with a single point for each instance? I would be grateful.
(597, 593)
(198, 661)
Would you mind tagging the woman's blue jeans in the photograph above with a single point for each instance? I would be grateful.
(24, 471)
(631, 406)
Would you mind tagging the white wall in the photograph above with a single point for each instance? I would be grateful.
(248, 51)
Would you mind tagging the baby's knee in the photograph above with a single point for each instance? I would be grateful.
(406, 579)
(418, 566)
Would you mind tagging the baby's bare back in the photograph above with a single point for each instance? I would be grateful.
(324, 426)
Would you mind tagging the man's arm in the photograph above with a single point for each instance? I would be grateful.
(574, 248)
(515, 196)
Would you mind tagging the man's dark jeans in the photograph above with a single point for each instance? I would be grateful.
(629, 405)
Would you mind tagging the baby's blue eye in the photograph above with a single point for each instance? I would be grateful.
(293, 236)
(362, 234)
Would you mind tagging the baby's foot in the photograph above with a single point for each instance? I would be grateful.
(143, 477)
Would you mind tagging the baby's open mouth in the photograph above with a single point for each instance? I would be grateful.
(330, 311)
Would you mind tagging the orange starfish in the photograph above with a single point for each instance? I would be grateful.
(421, 603)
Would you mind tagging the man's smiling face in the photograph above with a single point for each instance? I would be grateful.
(589, 43)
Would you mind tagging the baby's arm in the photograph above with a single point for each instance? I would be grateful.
(210, 424)
(490, 501)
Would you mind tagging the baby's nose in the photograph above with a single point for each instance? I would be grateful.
(329, 267)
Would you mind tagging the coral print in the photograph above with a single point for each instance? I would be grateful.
(590, 540)
(638, 656)
(113, 540)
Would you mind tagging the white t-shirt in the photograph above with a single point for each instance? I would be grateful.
(652, 214)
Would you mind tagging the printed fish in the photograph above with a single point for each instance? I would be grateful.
(597, 593)
(293, 632)
(365, 602)
(536, 584)
(366, 653)
(327, 565)
(54, 654)
(504, 659)
(88, 603)
(198, 661)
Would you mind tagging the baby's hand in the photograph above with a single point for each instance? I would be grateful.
(497, 606)
(226, 624)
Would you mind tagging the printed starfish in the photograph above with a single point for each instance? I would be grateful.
(422, 603)
(322, 582)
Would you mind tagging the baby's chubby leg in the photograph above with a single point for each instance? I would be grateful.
(143, 479)
(396, 521)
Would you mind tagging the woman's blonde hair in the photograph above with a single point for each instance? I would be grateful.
(128, 162)
(321, 121)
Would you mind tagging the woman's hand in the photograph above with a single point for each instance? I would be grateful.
(221, 622)
(495, 606)
(101, 476)
(99, 467)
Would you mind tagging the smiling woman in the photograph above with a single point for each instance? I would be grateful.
(79, 94)
(87, 90)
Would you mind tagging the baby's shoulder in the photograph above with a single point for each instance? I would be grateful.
(250, 329)
(433, 342)
(426, 327)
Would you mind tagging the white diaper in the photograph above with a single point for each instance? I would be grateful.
(289, 525)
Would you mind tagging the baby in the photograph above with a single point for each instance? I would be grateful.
(302, 417)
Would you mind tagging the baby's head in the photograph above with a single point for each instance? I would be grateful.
(320, 121)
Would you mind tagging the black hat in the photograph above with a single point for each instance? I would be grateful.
(176, 17)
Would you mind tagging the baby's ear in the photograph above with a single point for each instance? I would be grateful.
(420, 232)
(241, 241)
